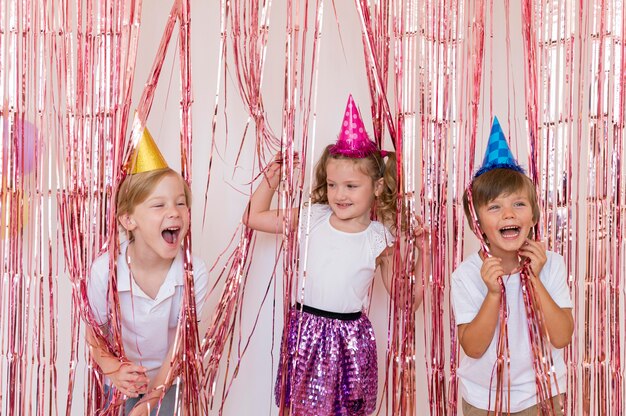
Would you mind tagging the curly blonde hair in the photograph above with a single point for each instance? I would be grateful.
(375, 167)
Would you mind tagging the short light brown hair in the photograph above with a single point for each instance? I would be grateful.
(136, 188)
(491, 184)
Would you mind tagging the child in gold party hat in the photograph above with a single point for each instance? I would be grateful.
(153, 205)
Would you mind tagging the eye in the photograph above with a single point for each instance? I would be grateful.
(182, 204)
(492, 207)
(520, 204)
(159, 205)
(330, 185)
(351, 186)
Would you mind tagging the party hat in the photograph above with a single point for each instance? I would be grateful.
(146, 156)
(498, 153)
(353, 140)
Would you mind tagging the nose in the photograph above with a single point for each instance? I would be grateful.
(173, 212)
(340, 193)
(508, 212)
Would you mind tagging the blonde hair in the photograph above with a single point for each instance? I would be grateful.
(136, 188)
(491, 184)
(373, 166)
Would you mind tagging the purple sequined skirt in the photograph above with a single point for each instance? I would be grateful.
(332, 369)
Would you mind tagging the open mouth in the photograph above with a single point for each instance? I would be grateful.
(510, 231)
(170, 234)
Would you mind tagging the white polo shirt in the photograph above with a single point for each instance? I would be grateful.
(148, 325)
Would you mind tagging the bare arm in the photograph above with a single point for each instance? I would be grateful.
(559, 321)
(158, 386)
(127, 377)
(422, 264)
(476, 336)
(258, 214)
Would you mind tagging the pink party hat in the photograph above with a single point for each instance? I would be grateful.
(353, 140)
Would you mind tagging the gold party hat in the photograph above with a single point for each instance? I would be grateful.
(146, 156)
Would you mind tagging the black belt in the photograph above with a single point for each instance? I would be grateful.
(352, 316)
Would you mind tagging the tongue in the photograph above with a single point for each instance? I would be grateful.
(168, 236)
(510, 233)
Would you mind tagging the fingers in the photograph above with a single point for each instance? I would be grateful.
(535, 251)
(278, 158)
(131, 380)
(491, 271)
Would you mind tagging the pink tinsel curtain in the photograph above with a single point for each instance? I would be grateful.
(66, 75)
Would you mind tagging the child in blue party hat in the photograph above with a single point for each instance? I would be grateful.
(502, 205)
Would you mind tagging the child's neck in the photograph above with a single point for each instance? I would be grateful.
(147, 269)
(146, 260)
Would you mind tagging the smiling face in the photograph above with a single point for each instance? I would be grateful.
(351, 192)
(159, 222)
(506, 222)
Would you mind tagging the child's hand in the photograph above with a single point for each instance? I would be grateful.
(491, 271)
(130, 379)
(422, 236)
(536, 253)
(272, 171)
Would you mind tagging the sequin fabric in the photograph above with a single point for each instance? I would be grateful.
(331, 369)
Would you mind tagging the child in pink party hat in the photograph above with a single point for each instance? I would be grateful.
(330, 349)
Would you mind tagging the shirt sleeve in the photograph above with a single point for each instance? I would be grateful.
(200, 283)
(97, 288)
(311, 215)
(381, 238)
(466, 296)
(555, 281)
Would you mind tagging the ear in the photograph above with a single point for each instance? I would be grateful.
(127, 222)
(378, 186)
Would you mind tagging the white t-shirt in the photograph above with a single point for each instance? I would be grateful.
(475, 375)
(339, 266)
(148, 325)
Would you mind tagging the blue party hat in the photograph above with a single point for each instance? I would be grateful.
(498, 153)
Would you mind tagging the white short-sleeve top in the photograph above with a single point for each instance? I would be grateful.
(337, 267)
(148, 325)
(468, 292)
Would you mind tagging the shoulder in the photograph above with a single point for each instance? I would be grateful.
(380, 237)
(555, 263)
(554, 257)
(313, 214)
(554, 267)
(101, 262)
(468, 267)
(316, 209)
(99, 274)
(199, 268)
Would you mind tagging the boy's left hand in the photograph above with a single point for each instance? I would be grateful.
(536, 253)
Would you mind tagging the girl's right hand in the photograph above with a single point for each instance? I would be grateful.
(491, 271)
(130, 379)
(272, 171)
